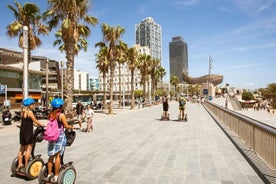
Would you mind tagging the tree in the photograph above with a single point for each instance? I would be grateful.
(111, 38)
(121, 59)
(133, 63)
(174, 81)
(270, 93)
(72, 22)
(161, 74)
(144, 71)
(247, 96)
(103, 65)
(153, 74)
(27, 15)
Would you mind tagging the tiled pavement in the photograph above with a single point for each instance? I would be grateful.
(136, 147)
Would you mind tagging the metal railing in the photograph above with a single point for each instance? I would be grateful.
(260, 137)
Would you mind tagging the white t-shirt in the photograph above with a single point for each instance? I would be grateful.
(89, 113)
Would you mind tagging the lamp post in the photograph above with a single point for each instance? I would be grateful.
(25, 62)
(47, 84)
(209, 75)
(61, 63)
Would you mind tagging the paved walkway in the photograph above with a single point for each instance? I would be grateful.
(135, 147)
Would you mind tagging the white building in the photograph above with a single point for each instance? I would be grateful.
(125, 76)
(80, 80)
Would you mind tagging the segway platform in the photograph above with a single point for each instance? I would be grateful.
(35, 164)
(165, 119)
(183, 120)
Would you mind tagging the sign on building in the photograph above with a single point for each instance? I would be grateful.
(2, 89)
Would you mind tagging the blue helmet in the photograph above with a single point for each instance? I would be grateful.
(57, 102)
(28, 101)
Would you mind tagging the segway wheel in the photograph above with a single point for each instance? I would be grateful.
(14, 166)
(43, 175)
(67, 175)
(33, 168)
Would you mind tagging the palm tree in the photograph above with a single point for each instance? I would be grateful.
(102, 65)
(161, 74)
(144, 71)
(27, 15)
(72, 21)
(121, 59)
(153, 73)
(111, 38)
(133, 63)
(174, 81)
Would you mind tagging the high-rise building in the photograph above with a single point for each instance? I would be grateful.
(178, 58)
(148, 33)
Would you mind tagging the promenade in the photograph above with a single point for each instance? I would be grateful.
(135, 147)
(259, 115)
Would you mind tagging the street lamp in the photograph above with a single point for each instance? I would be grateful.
(61, 63)
(209, 74)
(25, 62)
(47, 83)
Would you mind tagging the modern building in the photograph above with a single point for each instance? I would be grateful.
(93, 84)
(148, 33)
(125, 76)
(11, 75)
(80, 80)
(178, 58)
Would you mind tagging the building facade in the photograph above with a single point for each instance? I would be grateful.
(81, 80)
(149, 33)
(93, 84)
(125, 76)
(11, 75)
(178, 52)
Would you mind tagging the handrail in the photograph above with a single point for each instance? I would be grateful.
(260, 137)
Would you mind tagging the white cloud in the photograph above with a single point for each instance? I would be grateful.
(186, 2)
(244, 66)
(253, 7)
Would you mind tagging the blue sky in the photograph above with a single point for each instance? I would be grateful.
(240, 35)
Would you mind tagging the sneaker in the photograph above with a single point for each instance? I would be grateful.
(49, 177)
(22, 169)
(54, 179)
(18, 169)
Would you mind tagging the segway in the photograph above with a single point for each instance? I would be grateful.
(163, 118)
(67, 172)
(185, 119)
(35, 164)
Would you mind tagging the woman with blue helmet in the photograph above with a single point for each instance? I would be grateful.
(26, 135)
(56, 148)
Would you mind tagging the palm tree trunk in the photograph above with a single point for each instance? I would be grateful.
(70, 79)
(120, 85)
(104, 91)
(132, 90)
(110, 108)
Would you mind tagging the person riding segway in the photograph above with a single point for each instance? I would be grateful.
(165, 102)
(55, 171)
(182, 105)
(26, 163)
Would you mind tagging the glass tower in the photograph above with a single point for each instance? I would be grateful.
(178, 58)
(148, 33)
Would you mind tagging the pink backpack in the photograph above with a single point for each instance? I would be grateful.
(52, 130)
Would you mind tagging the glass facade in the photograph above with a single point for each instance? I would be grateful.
(178, 58)
(148, 33)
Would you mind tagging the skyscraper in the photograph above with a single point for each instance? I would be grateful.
(178, 57)
(148, 33)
